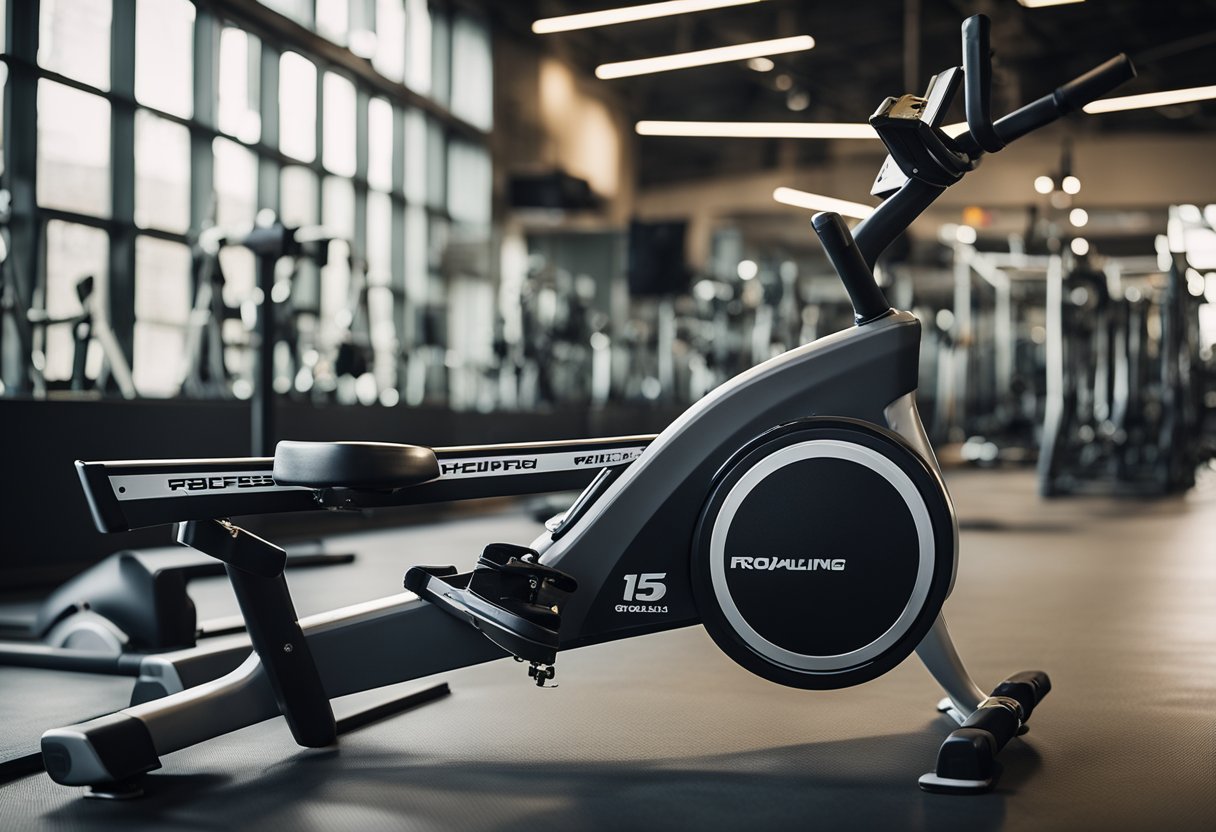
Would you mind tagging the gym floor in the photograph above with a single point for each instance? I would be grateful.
(1115, 599)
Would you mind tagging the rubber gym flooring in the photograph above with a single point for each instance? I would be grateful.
(1115, 598)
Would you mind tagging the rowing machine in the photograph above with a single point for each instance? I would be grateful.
(797, 511)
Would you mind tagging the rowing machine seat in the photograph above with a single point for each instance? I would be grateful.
(370, 466)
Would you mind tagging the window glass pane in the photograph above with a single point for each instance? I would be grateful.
(298, 10)
(297, 107)
(333, 18)
(162, 281)
(73, 252)
(436, 165)
(3, 84)
(236, 184)
(162, 306)
(73, 150)
(415, 253)
(418, 46)
(472, 73)
(162, 173)
(240, 277)
(338, 207)
(333, 290)
(415, 156)
(239, 71)
(389, 59)
(338, 150)
(74, 39)
(469, 183)
(379, 239)
(164, 55)
(298, 196)
(380, 144)
(441, 56)
(437, 237)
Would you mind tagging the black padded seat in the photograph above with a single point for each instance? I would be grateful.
(370, 466)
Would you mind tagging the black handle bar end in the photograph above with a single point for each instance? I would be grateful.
(869, 303)
(1094, 84)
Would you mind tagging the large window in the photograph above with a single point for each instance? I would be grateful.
(213, 119)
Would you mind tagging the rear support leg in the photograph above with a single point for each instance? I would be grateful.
(966, 762)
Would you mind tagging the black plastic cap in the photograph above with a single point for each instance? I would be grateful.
(122, 744)
(967, 754)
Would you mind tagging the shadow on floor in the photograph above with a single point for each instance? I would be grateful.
(864, 783)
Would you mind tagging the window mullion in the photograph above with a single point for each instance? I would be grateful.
(121, 278)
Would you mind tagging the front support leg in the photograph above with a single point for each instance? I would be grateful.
(937, 653)
(966, 762)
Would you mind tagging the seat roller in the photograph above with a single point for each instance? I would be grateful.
(369, 466)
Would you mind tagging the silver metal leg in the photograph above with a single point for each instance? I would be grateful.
(942, 660)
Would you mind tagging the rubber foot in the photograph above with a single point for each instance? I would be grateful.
(930, 782)
(126, 790)
(946, 707)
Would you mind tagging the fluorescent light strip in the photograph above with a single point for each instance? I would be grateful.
(819, 202)
(629, 14)
(768, 129)
(1151, 99)
(756, 130)
(704, 57)
(1042, 4)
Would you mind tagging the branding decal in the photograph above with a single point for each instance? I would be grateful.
(612, 458)
(646, 586)
(221, 483)
(488, 466)
(789, 564)
(500, 466)
(194, 484)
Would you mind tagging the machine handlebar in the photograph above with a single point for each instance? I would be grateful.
(1065, 99)
(977, 82)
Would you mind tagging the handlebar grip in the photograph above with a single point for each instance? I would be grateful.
(1094, 84)
(1071, 96)
(977, 82)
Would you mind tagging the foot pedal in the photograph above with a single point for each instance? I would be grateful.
(966, 762)
(510, 597)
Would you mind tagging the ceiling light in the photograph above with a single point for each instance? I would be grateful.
(1079, 246)
(1042, 4)
(1151, 99)
(818, 202)
(1044, 185)
(747, 269)
(648, 11)
(757, 129)
(761, 64)
(769, 130)
(1071, 185)
(1078, 217)
(704, 57)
